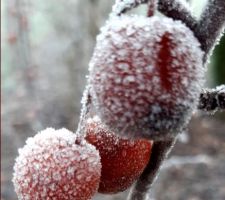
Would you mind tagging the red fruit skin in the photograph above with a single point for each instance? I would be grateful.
(122, 160)
(57, 165)
(146, 75)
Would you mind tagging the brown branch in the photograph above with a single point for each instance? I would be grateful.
(159, 153)
(212, 99)
(211, 26)
(178, 11)
(171, 8)
(122, 6)
(207, 31)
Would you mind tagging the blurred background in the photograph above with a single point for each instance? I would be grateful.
(45, 50)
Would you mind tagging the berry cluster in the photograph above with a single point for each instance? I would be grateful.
(57, 164)
(145, 79)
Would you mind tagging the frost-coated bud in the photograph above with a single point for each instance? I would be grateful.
(146, 75)
(55, 164)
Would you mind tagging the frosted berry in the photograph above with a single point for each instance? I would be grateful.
(122, 160)
(55, 164)
(146, 75)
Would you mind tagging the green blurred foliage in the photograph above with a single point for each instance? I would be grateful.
(218, 64)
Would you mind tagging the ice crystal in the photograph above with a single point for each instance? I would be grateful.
(151, 88)
(53, 166)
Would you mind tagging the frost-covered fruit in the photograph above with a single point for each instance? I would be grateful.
(146, 75)
(56, 164)
(122, 160)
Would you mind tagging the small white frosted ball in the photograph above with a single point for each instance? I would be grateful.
(56, 164)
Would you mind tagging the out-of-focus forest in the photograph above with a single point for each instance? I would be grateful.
(45, 50)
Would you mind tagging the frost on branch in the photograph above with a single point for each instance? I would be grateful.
(146, 76)
(211, 26)
(178, 10)
(85, 111)
(122, 6)
(160, 151)
(212, 99)
(175, 9)
(54, 164)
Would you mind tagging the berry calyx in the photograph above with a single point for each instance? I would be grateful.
(146, 76)
(55, 164)
(122, 160)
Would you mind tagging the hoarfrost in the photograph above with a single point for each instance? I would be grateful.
(163, 68)
(41, 167)
(121, 5)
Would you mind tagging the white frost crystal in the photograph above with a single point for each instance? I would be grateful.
(54, 164)
(146, 75)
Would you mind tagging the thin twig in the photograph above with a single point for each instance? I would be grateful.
(122, 6)
(171, 8)
(207, 31)
(152, 7)
(211, 26)
(86, 102)
(159, 153)
(178, 11)
(212, 100)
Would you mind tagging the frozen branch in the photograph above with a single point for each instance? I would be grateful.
(178, 10)
(86, 102)
(211, 26)
(212, 99)
(171, 8)
(159, 153)
(208, 29)
(123, 6)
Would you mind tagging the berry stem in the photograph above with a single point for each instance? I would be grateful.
(211, 26)
(159, 153)
(122, 6)
(171, 8)
(152, 7)
(86, 101)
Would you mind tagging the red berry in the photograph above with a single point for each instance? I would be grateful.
(146, 75)
(55, 164)
(122, 160)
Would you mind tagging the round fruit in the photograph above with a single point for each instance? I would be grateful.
(55, 164)
(146, 75)
(122, 160)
